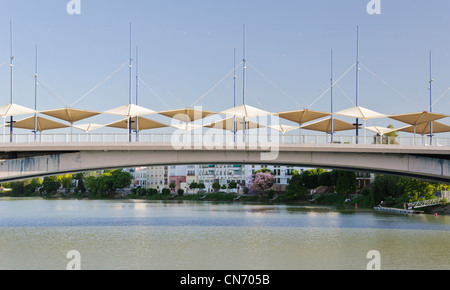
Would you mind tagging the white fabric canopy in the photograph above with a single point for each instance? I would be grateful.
(143, 124)
(11, 110)
(130, 111)
(245, 111)
(70, 115)
(325, 126)
(360, 113)
(187, 114)
(303, 116)
(381, 130)
(284, 128)
(424, 128)
(186, 127)
(229, 125)
(88, 127)
(418, 118)
(42, 124)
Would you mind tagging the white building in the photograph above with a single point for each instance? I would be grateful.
(157, 177)
(223, 174)
(183, 175)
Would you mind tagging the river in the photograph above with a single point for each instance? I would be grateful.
(38, 234)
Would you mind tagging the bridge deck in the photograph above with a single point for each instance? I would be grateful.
(398, 210)
(443, 152)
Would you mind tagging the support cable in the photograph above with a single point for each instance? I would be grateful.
(215, 86)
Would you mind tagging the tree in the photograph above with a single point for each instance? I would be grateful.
(346, 183)
(311, 177)
(388, 138)
(193, 185)
(385, 186)
(80, 182)
(216, 186)
(296, 187)
(232, 185)
(109, 181)
(325, 179)
(418, 189)
(65, 180)
(264, 170)
(50, 184)
(261, 182)
(172, 186)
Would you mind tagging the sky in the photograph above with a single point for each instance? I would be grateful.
(188, 50)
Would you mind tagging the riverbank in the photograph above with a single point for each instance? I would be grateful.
(339, 201)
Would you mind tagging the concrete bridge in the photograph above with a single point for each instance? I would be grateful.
(29, 160)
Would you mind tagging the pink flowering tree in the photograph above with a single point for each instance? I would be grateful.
(262, 182)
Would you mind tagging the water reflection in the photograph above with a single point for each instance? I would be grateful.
(37, 234)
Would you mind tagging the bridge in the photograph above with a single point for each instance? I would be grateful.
(425, 203)
(23, 160)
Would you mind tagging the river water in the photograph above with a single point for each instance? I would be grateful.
(38, 234)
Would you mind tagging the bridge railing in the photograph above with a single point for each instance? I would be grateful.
(217, 139)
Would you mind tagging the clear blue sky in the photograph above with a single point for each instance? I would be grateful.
(186, 47)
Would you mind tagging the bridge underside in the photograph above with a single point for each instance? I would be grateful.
(23, 164)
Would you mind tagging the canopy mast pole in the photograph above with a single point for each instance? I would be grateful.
(431, 104)
(332, 124)
(137, 91)
(35, 94)
(234, 93)
(130, 85)
(243, 81)
(357, 80)
(11, 124)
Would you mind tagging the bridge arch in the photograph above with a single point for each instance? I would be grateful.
(28, 162)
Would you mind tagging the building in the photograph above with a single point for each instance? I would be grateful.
(157, 177)
(178, 176)
(182, 176)
(223, 174)
(364, 179)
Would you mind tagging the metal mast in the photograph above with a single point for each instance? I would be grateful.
(11, 99)
(137, 91)
(130, 85)
(243, 78)
(357, 80)
(35, 93)
(331, 89)
(431, 101)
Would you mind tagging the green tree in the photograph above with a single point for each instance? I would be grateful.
(232, 185)
(311, 177)
(80, 177)
(325, 179)
(109, 181)
(264, 170)
(346, 183)
(193, 185)
(385, 186)
(50, 184)
(65, 180)
(216, 186)
(418, 189)
(388, 138)
(296, 187)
